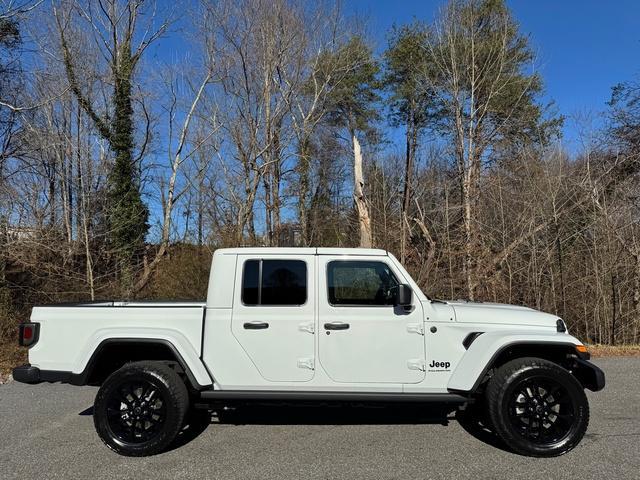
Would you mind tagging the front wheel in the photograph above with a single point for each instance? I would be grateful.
(140, 408)
(537, 407)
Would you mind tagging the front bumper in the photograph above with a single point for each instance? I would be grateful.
(589, 375)
(30, 374)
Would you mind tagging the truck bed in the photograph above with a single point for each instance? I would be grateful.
(74, 331)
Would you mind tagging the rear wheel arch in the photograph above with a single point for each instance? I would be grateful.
(112, 354)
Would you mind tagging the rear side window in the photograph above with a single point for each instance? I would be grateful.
(274, 282)
(360, 283)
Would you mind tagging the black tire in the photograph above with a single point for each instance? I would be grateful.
(537, 407)
(140, 408)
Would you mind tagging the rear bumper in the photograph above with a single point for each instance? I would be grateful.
(30, 374)
(589, 375)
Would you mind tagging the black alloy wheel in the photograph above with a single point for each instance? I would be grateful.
(537, 407)
(140, 408)
(542, 411)
(136, 412)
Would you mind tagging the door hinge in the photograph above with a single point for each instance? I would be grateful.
(307, 363)
(416, 328)
(416, 364)
(308, 327)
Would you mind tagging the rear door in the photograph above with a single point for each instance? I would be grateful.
(362, 336)
(274, 315)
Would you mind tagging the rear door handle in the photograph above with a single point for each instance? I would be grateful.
(256, 325)
(336, 326)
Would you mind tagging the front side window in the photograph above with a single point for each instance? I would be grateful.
(361, 283)
(274, 282)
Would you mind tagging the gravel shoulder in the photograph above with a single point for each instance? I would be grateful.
(46, 431)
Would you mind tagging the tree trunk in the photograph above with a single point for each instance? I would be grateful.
(5, 295)
(467, 215)
(364, 220)
(275, 184)
(268, 204)
(405, 198)
(201, 196)
(128, 214)
(614, 308)
(303, 190)
(636, 294)
(412, 141)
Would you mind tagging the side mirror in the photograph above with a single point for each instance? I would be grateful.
(404, 296)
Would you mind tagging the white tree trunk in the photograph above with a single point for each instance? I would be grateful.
(364, 220)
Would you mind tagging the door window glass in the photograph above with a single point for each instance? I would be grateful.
(361, 283)
(274, 282)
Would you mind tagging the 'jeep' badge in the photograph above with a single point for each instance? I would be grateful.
(444, 366)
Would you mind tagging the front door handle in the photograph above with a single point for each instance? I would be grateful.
(256, 325)
(336, 326)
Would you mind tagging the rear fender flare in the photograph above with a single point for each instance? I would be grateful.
(186, 355)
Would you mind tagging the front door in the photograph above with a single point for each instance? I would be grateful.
(362, 336)
(274, 315)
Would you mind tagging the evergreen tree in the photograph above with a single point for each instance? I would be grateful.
(624, 119)
(411, 100)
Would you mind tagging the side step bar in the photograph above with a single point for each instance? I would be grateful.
(271, 395)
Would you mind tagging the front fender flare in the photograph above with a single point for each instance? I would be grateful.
(485, 349)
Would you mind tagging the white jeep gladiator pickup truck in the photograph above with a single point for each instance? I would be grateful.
(314, 325)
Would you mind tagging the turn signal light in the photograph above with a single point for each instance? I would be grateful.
(581, 349)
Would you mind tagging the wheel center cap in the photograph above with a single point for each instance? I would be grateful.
(137, 410)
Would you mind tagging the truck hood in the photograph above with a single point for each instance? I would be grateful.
(499, 313)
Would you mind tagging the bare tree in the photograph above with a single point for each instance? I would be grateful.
(487, 98)
(185, 148)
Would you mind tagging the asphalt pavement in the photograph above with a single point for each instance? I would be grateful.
(46, 432)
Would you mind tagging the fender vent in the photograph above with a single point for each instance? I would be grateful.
(469, 339)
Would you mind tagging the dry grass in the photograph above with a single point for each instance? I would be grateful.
(11, 355)
(614, 351)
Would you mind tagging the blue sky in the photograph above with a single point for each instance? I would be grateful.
(584, 47)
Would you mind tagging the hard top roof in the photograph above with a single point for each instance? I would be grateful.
(300, 251)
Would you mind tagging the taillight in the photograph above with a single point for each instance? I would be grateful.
(28, 334)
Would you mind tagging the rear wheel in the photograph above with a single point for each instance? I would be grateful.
(537, 407)
(140, 408)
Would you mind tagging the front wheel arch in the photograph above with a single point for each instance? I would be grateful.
(562, 354)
